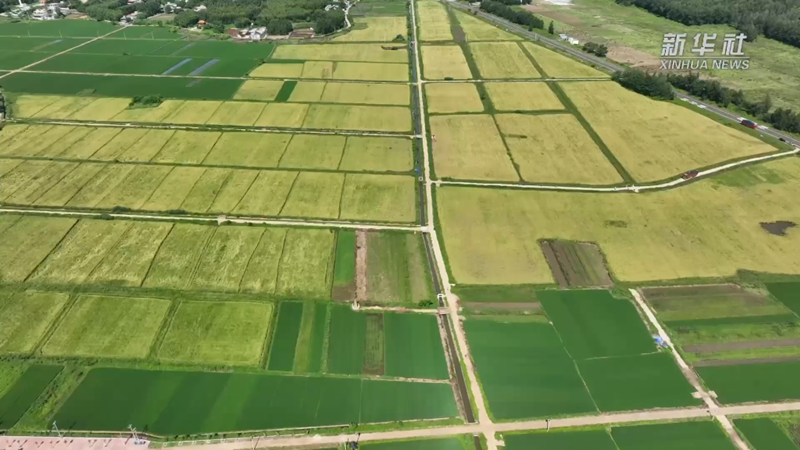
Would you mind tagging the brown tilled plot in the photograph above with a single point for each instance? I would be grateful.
(709, 301)
(374, 361)
(576, 264)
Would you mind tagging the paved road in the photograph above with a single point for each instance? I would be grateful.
(630, 188)
(604, 63)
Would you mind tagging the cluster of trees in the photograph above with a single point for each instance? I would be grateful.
(113, 10)
(651, 85)
(276, 15)
(775, 19)
(660, 86)
(596, 49)
(514, 2)
(517, 16)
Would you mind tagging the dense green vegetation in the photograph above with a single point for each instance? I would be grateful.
(277, 15)
(704, 435)
(775, 19)
(764, 434)
(651, 85)
(518, 16)
(18, 398)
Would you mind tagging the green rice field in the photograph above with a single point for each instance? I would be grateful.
(284, 341)
(704, 435)
(19, 396)
(764, 434)
(741, 383)
(561, 440)
(397, 269)
(167, 403)
(418, 444)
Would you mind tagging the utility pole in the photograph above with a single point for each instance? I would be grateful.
(133, 432)
(55, 428)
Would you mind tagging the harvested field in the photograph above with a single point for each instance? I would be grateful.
(557, 65)
(445, 98)
(690, 228)
(469, 147)
(496, 60)
(661, 148)
(442, 62)
(555, 149)
(709, 302)
(103, 401)
(522, 96)
(706, 435)
(434, 24)
(396, 268)
(375, 29)
(576, 264)
(284, 340)
(373, 154)
(340, 52)
(357, 117)
(25, 317)
(108, 327)
(386, 198)
(231, 333)
(258, 90)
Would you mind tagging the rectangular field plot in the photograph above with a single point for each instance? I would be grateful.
(396, 268)
(787, 293)
(478, 30)
(372, 154)
(452, 443)
(340, 52)
(236, 113)
(259, 89)
(306, 264)
(710, 302)
(231, 333)
(445, 98)
(525, 371)
(370, 71)
(306, 151)
(375, 29)
(497, 60)
(561, 440)
(740, 383)
(366, 93)
(127, 263)
(434, 24)
(414, 347)
(347, 341)
(576, 264)
(555, 149)
(311, 339)
(522, 96)
(108, 327)
(168, 403)
(344, 271)
(444, 62)
(765, 434)
(284, 340)
(690, 229)
(248, 149)
(672, 436)
(661, 148)
(18, 398)
(225, 257)
(469, 147)
(360, 118)
(557, 65)
(385, 198)
(314, 194)
(28, 242)
(25, 317)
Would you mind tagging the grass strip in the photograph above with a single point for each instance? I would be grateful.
(286, 91)
(285, 340)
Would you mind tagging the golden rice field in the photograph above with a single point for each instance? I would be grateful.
(469, 147)
(498, 60)
(522, 96)
(277, 70)
(557, 65)
(446, 98)
(706, 229)
(478, 30)
(441, 62)
(433, 23)
(264, 90)
(340, 52)
(655, 140)
(555, 149)
(375, 29)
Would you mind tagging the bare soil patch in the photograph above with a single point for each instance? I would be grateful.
(555, 15)
(629, 55)
(777, 228)
(746, 345)
(576, 264)
(361, 265)
(739, 362)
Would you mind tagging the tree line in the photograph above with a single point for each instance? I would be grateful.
(518, 16)
(277, 16)
(660, 86)
(775, 19)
